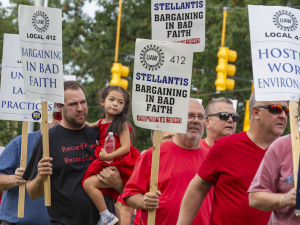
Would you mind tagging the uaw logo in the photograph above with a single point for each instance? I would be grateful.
(36, 115)
(152, 57)
(285, 20)
(40, 21)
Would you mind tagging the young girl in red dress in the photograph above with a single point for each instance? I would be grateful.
(115, 101)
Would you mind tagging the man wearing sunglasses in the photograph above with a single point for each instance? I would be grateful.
(71, 149)
(220, 121)
(230, 167)
(11, 178)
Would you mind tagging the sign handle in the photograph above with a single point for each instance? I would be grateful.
(154, 172)
(47, 191)
(23, 165)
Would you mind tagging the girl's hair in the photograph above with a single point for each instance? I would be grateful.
(121, 120)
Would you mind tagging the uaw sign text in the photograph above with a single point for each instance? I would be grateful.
(161, 85)
(41, 52)
(275, 47)
(179, 21)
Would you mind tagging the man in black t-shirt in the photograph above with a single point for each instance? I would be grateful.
(71, 148)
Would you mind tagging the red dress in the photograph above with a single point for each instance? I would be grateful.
(125, 164)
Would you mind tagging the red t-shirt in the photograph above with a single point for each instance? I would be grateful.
(231, 165)
(204, 144)
(177, 167)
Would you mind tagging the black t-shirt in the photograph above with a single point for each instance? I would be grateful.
(72, 152)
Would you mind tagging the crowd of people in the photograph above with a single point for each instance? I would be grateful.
(225, 178)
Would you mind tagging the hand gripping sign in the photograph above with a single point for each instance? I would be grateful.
(160, 93)
(179, 21)
(275, 47)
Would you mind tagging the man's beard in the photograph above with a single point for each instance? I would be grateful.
(73, 122)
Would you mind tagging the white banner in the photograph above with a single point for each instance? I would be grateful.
(14, 105)
(161, 85)
(275, 47)
(41, 51)
(179, 21)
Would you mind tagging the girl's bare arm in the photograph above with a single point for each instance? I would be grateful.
(93, 125)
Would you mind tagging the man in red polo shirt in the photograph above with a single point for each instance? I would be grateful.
(179, 161)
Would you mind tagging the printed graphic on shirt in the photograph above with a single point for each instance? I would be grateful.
(289, 180)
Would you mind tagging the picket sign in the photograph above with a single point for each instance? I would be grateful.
(40, 31)
(160, 94)
(179, 22)
(274, 37)
(23, 165)
(15, 105)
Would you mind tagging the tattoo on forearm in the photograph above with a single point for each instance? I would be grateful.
(207, 183)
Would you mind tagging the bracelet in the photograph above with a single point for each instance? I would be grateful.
(280, 202)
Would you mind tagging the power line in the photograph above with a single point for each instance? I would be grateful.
(239, 8)
(223, 92)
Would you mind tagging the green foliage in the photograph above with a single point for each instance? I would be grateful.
(89, 49)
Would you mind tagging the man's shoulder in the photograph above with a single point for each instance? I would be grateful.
(59, 129)
(91, 130)
(233, 137)
(281, 144)
(228, 143)
(283, 139)
(35, 134)
(17, 141)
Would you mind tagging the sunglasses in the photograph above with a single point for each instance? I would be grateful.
(225, 116)
(275, 109)
(57, 116)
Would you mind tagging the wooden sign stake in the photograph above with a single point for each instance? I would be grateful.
(23, 163)
(154, 172)
(47, 191)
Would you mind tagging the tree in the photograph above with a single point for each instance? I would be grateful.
(89, 47)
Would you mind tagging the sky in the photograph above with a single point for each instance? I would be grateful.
(89, 8)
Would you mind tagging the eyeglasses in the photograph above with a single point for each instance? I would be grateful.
(276, 109)
(192, 117)
(57, 116)
(225, 116)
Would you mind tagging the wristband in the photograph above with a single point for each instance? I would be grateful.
(280, 202)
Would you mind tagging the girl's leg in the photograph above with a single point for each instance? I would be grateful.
(118, 214)
(91, 186)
